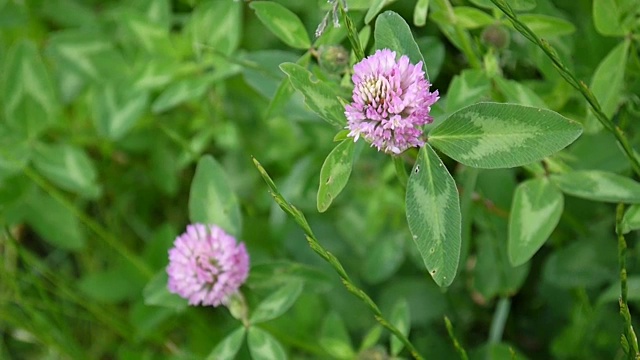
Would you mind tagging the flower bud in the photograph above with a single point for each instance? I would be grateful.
(495, 36)
(333, 58)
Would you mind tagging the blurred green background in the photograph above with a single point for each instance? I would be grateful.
(108, 105)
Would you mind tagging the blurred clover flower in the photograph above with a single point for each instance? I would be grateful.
(206, 265)
(391, 102)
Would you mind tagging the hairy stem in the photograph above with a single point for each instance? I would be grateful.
(456, 343)
(575, 83)
(299, 218)
(629, 334)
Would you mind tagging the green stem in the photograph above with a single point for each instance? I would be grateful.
(571, 79)
(629, 334)
(90, 223)
(456, 343)
(299, 218)
(499, 320)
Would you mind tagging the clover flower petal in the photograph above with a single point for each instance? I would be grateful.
(391, 102)
(207, 265)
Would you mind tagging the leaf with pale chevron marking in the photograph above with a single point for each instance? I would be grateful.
(535, 212)
(493, 135)
(229, 346)
(319, 97)
(433, 214)
(263, 346)
(29, 102)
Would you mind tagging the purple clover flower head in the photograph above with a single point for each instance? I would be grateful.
(206, 265)
(391, 102)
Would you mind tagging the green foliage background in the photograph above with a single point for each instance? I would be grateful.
(108, 106)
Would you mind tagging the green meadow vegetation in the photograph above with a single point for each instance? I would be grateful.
(507, 228)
